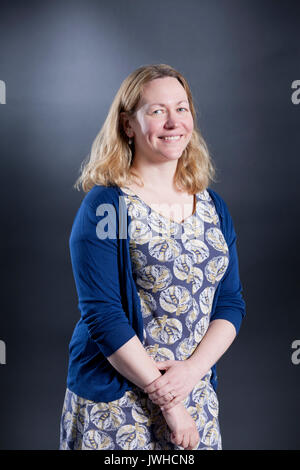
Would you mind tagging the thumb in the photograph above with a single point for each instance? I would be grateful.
(163, 364)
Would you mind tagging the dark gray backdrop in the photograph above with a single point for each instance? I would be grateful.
(63, 62)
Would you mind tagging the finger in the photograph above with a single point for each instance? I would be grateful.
(160, 396)
(185, 440)
(161, 365)
(167, 407)
(162, 391)
(160, 400)
(163, 386)
(197, 443)
(164, 401)
(156, 385)
(172, 437)
(153, 396)
(191, 441)
(178, 438)
(165, 363)
(171, 404)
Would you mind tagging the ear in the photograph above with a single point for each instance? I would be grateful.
(126, 124)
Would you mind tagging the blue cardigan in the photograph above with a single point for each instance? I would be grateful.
(108, 299)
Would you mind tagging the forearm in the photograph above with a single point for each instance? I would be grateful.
(219, 336)
(132, 361)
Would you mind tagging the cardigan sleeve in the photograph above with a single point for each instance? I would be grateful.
(230, 303)
(95, 269)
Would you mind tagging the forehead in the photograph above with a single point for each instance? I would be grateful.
(162, 90)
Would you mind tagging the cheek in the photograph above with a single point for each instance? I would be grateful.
(151, 130)
(147, 128)
(190, 125)
(142, 125)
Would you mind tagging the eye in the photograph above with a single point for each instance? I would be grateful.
(156, 111)
(185, 109)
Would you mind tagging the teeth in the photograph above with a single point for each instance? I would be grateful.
(173, 137)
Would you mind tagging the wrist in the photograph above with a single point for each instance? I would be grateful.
(173, 410)
(195, 368)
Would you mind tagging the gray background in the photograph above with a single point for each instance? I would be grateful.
(63, 62)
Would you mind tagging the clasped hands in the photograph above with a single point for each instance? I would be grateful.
(174, 385)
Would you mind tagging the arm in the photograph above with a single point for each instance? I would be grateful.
(96, 273)
(132, 361)
(219, 336)
(229, 304)
(95, 269)
(228, 311)
(182, 376)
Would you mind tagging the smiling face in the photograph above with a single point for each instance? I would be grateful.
(163, 124)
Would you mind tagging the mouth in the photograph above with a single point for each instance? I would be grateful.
(171, 138)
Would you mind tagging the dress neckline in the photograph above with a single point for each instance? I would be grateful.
(132, 193)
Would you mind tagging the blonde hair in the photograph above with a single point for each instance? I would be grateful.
(109, 162)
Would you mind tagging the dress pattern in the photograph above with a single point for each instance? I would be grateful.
(176, 268)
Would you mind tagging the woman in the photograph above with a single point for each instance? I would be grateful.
(154, 258)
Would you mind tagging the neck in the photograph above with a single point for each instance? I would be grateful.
(158, 175)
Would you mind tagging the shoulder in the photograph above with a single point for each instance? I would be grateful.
(223, 212)
(101, 202)
(219, 202)
(100, 194)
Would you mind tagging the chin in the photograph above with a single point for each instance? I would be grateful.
(173, 156)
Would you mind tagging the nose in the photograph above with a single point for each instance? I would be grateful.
(171, 120)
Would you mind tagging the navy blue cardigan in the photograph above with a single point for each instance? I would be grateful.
(108, 299)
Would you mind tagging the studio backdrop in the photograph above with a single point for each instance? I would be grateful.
(61, 63)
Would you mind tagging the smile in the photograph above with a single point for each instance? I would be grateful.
(171, 138)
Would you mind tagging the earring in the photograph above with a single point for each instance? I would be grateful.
(130, 141)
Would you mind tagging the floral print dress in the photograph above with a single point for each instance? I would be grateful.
(176, 268)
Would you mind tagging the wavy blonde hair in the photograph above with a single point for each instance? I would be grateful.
(110, 160)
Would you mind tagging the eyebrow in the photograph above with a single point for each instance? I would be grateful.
(162, 104)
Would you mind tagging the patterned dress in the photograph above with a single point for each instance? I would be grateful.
(176, 268)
